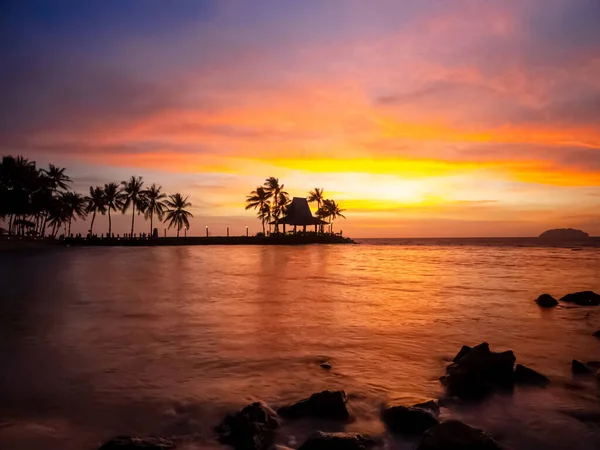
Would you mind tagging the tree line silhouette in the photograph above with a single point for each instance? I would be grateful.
(271, 202)
(36, 201)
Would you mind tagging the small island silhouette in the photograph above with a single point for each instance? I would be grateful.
(564, 234)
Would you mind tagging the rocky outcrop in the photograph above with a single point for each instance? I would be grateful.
(525, 375)
(579, 368)
(546, 301)
(252, 428)
(455, 435)
(462, 352)
(478, 372)
(564, 234)
(323, 405)
(406, 420)
(431, 405)
(337, 441)
(597, 334)
(583, 298)
(138, 443)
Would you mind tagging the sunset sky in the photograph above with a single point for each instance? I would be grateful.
(420, 117)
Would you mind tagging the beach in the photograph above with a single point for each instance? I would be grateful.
(168, 340)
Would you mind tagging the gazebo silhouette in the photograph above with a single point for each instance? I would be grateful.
(299, 214)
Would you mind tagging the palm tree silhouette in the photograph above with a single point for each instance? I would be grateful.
(56, 177)
(113, 199)
(133, 196)
(176, 214)
(259, 199)
(96, 204)
(154, 204)
(275, 190)
(317, 195)
(331, 210)
(75, 205)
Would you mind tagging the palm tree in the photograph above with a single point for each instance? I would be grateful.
(259, 199)
(275, 190)
(330, 210)
(75, 205)
(154, 204)
(56, 178)
(317, 195)
(96, 204)
(113, 200)
(176, 214)
(134, 196)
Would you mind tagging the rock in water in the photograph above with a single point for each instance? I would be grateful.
(465, 349)
(525, 375)
(583, 298)
(546, 301)
(564, 234)
(323, 405)
(337, 441)
(249, 429)
(455, 435)
(579, 368)
(479, 372)
(597, 334)
(405, 420)
(432, 406)
(325, 365)
(138, 443)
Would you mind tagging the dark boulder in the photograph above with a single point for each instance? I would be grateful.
(138, 443)
(465, 349)
(525, 375)
(337, 441)
(479, 372)
(455, 435)
(323, 405)
(432, 406)
(546, 301)
(325, 365)
(406, 420)
(579, 368)
(252, 428)
(597, 334)
(583, 298)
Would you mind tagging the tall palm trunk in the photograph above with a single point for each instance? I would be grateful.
(70, 218)
(263, 225)
(10, 224)
(92, 224)
(178, 229)
(151, 217)
(132, 219)
(109, 224)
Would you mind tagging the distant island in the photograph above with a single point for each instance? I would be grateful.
(564, 234)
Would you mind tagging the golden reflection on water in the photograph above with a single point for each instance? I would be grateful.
(140, 339)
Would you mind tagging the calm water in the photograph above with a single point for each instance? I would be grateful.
(103, 341)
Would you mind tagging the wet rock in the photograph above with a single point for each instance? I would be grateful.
(463, 352)
(138, 443)
(546, 301)
(597, 334)
(249, 429)
(479, 372)
(325, 365)
(525, 375)
(432, 406)
(583, 298)
(337, 441)
(455, 435)
(579, 368)
(405, 420)
(324, 405)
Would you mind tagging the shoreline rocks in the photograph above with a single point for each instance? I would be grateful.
(408, 420)
(583, 298)
(455, 435)
(478, 372)
(525, 375)
(546, 301)
(323, 405)
(337, 441)
(579, 368)
(252, 428)
(138, 443)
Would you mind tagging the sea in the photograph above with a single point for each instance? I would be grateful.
(99, 342)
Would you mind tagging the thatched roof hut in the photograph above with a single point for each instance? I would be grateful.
(299, 214)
